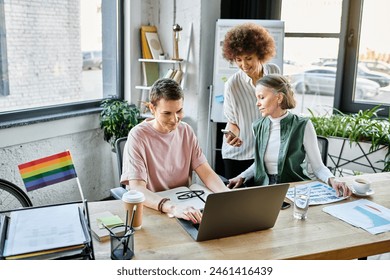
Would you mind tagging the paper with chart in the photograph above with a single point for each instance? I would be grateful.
(320, 194)
(362, 213)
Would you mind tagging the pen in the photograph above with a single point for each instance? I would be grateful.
(131, 228)
(111, 232)
(125, 241)
(127, 218)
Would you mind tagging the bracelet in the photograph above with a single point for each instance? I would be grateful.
(161, 204)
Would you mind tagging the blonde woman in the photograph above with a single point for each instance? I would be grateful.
(284, 142)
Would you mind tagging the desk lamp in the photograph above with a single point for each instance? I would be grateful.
(176, 37)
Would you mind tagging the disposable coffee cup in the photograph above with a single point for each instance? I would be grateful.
(361, 185)
(130, 199)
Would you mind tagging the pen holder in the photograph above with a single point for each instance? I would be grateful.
(122, 243)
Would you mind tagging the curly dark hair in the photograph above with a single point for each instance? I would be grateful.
(248, 38)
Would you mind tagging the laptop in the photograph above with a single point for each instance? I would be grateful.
(238, 211)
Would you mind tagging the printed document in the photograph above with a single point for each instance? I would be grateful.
(320, 193)
(362, 213)
(45, 228)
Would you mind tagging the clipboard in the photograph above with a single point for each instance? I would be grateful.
(15, 231)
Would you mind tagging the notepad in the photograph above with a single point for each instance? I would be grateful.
(194, 195)
(109, 221)
(97, 220)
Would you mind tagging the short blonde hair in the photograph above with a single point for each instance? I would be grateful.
(279, 84)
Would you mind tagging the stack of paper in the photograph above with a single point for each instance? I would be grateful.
(47, 232)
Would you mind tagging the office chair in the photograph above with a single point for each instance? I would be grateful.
(119, 148)
(12, 197)
(323, 144)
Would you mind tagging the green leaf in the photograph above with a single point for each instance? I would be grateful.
(364, 125)
(117, 118)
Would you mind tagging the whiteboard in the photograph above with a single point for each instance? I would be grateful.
(224, 69)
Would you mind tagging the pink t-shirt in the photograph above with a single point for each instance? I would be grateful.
(163, 160)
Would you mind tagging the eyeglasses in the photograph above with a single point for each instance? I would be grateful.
(189, 194)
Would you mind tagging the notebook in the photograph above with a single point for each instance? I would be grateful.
(238, 211)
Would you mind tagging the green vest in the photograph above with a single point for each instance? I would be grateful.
(291, 165)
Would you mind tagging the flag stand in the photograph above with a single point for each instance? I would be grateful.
(82, 195)
(80, 189)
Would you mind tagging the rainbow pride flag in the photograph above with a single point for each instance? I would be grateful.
(47, 171)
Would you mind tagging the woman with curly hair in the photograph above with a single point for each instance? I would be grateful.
(250, 47)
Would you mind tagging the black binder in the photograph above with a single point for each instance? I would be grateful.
(79, 250)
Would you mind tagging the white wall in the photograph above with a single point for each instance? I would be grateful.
(81, 136)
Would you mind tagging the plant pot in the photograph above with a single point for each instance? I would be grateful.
(342, 154)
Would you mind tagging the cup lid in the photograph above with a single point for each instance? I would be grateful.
(133, 196)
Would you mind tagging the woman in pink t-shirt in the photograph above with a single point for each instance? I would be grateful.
(162, 152)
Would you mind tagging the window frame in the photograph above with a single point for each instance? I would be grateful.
(61, 111)
(348, 60)
(351, 19)
(320, 35)
(4, 86)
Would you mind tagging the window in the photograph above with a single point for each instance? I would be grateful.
(61, 56)
(347, 36)
(310, 42)
(367, 54)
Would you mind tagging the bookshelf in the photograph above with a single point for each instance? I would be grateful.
(154, 69)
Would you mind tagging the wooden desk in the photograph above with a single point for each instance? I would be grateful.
(321, 236)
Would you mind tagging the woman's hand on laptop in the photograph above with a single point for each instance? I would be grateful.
(185, 212)
(235, 182)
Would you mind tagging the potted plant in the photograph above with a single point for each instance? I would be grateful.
(117, 118)
(367, 136)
